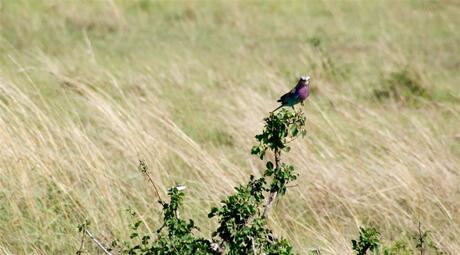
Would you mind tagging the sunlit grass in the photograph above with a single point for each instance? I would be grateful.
(88, 89)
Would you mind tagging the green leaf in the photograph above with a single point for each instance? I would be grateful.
(294, 131)
(213, 212)
(269, 165)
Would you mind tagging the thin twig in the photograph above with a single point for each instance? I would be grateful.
(80, 250)
(97, 242)
(253, 246)
(144, 169)
(421, 238)
(270, 200)
(153, 184)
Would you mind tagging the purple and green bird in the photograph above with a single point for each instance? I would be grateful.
(297, 95)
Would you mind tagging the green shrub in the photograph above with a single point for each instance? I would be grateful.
(242, 216)
(175, 236)
(369, 241)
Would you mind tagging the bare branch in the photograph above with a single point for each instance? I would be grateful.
(144, 169)
(80, 250)
(253, 246)
(153, 184)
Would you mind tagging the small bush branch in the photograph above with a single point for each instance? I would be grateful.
(144, 169)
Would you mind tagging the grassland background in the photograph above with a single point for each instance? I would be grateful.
(87, 88)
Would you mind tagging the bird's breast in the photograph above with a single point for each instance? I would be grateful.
(304, 92)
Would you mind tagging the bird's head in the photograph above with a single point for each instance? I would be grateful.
(304, 80)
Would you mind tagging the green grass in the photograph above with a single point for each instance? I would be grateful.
(87, 88)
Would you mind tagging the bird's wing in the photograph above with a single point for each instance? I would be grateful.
(286, 96)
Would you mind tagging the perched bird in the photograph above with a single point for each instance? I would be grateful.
(297, 95)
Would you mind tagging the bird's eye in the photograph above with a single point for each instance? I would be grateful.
(303, 78)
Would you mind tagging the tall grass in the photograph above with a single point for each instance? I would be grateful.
(89, 88)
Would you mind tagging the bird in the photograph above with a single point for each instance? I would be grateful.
(297, 95)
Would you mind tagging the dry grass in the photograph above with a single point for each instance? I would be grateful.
(86, 90)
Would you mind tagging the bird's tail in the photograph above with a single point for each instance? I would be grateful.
(277, 108)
